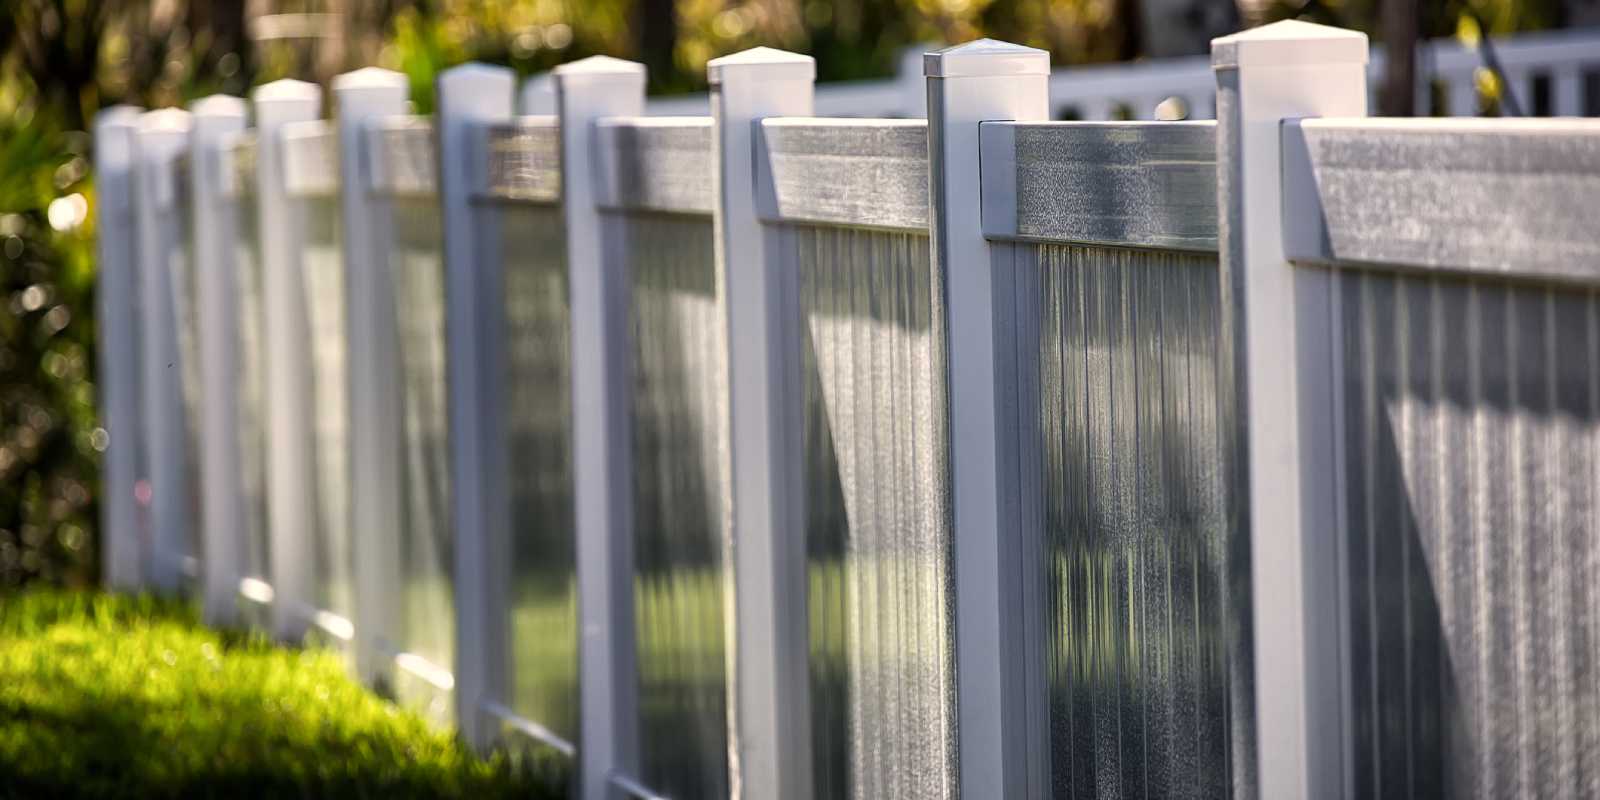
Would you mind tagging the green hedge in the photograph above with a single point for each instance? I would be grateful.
(106, 696)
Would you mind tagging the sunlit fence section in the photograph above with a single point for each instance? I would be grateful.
(798, 456)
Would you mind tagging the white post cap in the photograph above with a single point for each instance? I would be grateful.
(286, 90)
(767, 62)
(219, 105)
(165, 120)
(489, 79)
(370, 78)
(1288, 43)
(985, 58)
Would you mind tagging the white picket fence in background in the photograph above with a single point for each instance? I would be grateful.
(890, 438)
(1134, 90)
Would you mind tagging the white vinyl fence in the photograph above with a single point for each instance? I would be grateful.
(979, 454)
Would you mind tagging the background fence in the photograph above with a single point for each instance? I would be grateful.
(802, 456)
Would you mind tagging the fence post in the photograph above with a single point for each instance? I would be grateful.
(216, 119)
(538, 95)
(118, 340)
(969, 84)
(287, 375)
(770, 660)
(602, 383)
(1277, 345)
(362, 97)
(470, 97)
(163, 137)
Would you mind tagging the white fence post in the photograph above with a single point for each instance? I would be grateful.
(1275, 340)
(288, 405)
(587, 90)
(969, 84)
(121, 520)
(362, 97)
(216, 119)
(537, 97)
(770, 659)
(470, 97)
(162, 138)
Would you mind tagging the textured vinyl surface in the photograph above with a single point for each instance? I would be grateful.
(322, 263)
(680, 502)
(425, 540)
(878, 527)
(1470, 431)
(538, 403)
(1127, 547)
(251, 377)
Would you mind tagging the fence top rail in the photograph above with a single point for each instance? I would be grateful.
(401, 152)
(523, 161)
(1123, 184)
(1507, 197)
(656, 164)
(310, 158)
(858, 172)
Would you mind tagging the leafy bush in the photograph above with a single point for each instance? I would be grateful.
(105, 696)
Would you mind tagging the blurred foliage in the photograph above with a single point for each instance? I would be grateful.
(63, 60)
(107, 696)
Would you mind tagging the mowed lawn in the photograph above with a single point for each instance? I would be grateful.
(107, 696)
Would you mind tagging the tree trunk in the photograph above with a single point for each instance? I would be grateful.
(1400, 28)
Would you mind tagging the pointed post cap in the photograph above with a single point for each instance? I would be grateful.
(768, 62)
(120, 115)
(985, 58)
(286, 90)
(474, 72)
(165, 120)
(371, 78)
(1288, 43)
(600, 65)
(219, 105)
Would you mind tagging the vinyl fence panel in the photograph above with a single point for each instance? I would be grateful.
(1465, 425)
(1125, 499)
(408, 254)
(655, 190)
(248, 342)
(311, 191)
(845, 202)
(517, 210)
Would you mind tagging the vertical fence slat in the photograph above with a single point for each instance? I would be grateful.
(362, 97)
(967, 85)
(162, 138)
(471, 96)
(587, 90)
(1277, 339)
(288, 407)
(216, 119)
(770, 658)
(117, 309)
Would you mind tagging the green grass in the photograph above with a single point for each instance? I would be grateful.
(107, 696)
